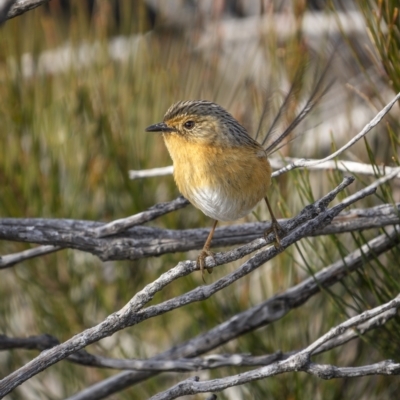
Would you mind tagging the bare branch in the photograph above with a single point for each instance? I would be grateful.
(132, 314)
(213, 361)
(210, 361)
(374, 247)
(387, 367)
(152, 213)
(298, 362)
(150, 241)
(350, 167)
(129, 315)
(22, 6)
(12, 259)
(150, 173)
(373, 323)
(375, 121)
(5, 6)
(263, 314)
(351, 323)
(41, 342)
(68, 230)
(192, 385)
(172, 241)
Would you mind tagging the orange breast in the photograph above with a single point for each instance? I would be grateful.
(224, 183)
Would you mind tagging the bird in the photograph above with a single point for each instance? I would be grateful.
(218, 166)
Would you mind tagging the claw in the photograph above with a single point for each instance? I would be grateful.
(206, 252)
(275, 229)
(200, 261)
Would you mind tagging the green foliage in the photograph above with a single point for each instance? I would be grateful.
(383, 21)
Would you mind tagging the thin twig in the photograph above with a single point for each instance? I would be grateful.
(263, 314)
(5, 6)
(129, 247)
(151, 241)
(350, 263)
(73, 230)
(298, 362)
(350, 167)
(193, 386)
(150, 173)
(211, 361)
(70, 233)
(143, 241)
(154, 212)
(9, 260)
(303, 163)
(40, 342)
(22, 6)
(132, 314)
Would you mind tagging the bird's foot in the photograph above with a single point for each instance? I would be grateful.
(277, 230)
(201, 261)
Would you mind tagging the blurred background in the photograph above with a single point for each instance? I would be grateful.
(79, 83)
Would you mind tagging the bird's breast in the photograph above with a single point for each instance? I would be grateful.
(224, 183)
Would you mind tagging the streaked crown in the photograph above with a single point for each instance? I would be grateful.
(203, 121)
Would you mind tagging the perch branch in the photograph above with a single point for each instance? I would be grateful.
(132, 314)
(143, 241)
(263, 314)
(22, 6)
(297, 362)
(350, 167)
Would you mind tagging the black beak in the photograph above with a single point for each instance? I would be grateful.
(160, 127)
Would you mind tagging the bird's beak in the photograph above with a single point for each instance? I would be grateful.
(160, 127)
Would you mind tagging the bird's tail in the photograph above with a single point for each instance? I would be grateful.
(273, 141)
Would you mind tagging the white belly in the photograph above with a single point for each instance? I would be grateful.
(216, 204)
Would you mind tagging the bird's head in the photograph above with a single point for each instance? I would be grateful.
(200, 121)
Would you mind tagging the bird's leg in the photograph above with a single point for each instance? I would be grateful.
(275, 226)
(206, 251)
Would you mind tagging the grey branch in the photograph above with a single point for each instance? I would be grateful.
(132, 313)
(263, 314)
(192, 385)
(144, 241)
(5, 6)
(184, 364)
(22, 6)
(375, 121)
(9, 260)
(350, 167)
(213, 361)
(41, 342)
(298, 362)
(46, 230)
(210, 361)
(154, 212)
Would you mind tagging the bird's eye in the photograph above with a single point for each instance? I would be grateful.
(189, 124)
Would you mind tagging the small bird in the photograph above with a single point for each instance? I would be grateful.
(218, 166)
